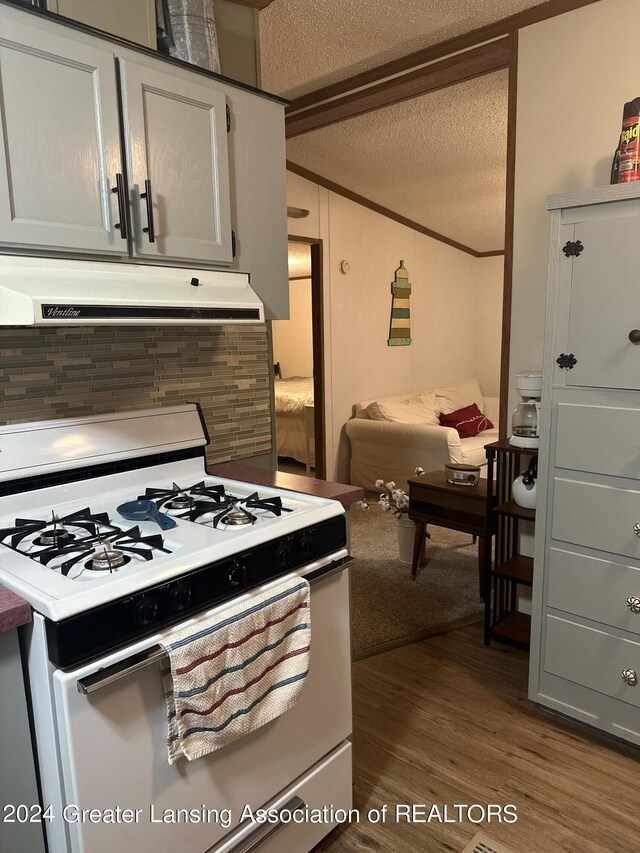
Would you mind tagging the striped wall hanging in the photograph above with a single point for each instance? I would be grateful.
(400, 326)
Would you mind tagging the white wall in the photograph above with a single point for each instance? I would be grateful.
(444, 308)
(293, 338)
(304, 194)
(573, 81)
(489, 324)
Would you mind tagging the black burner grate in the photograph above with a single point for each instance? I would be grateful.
(199, 500)
(77, 536)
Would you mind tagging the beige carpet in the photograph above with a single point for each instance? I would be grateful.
(388, 608)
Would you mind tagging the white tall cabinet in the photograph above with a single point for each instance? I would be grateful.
(585, 642)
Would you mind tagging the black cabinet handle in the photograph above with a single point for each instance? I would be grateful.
(634, 336)
(148, 198)
(122, 207)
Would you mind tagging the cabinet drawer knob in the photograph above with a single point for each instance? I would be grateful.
(634, 336)
(636, 528)
(630, 677)
(633, 604)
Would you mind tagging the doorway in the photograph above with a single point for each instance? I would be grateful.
(298, 356)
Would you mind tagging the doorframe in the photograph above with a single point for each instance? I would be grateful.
(509, 222)
(317, 336)
(508, 30)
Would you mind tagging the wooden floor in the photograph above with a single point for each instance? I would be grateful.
(447, 721)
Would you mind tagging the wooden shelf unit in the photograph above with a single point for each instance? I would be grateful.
(514, 629)
(518, 568)
(510, 569)
(511, 508)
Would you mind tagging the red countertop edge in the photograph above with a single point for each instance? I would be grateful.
(292, 482)
(14, 611)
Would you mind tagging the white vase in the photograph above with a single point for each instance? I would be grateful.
(406, 535)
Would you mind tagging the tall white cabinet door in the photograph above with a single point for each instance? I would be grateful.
(59, 140)
(605, 304)
(176, 147)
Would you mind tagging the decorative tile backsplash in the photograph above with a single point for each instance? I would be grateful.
(66, 372)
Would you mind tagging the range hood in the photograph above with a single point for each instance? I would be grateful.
(50, 291)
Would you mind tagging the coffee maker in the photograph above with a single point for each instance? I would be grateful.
(525, 421)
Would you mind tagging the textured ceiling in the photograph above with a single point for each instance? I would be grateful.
(299, 260)
(439, 159)
(305, 46)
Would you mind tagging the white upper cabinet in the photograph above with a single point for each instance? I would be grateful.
(59, 142)
(110, 151)
(605, 303)
(175, 132)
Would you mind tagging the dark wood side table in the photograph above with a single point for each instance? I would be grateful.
(432, 500)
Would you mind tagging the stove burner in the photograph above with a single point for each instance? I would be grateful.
(237, 516)
(174, 498)
(83, 537)
(114, 552)
(179, 502)
(107, 559)
(191, 502)
(83, 520)
(54, 536)
(229, 510)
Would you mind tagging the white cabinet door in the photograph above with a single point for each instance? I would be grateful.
(59, 140)
(258, 197)
(605, 304)
(176, 145)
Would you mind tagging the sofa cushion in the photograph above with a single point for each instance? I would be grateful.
(472, 449)
(430, 400)
(413, 410)
(454, 397)
(468, 421)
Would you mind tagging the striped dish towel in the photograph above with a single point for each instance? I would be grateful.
(233, 672)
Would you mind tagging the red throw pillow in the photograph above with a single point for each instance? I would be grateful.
(468, 421)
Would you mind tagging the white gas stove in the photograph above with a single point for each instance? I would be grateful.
(114, 532)
(71, 547)
(67, 548)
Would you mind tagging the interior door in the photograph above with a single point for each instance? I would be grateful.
(59, 141)
(176, 145)
(605, 304)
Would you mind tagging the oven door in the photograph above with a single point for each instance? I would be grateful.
(112, 739)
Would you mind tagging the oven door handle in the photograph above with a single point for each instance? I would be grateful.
(255, 838)
(330, 569)
(139, 661)
(119, 670)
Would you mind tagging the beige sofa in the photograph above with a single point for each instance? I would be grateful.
(385, 446)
